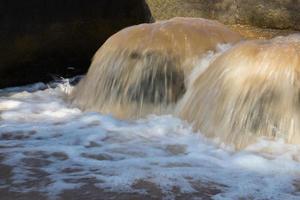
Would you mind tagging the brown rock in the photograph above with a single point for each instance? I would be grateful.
(280, 14)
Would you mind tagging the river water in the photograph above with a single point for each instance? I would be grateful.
(51, 150)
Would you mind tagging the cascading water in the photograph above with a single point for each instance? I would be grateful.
(51, 150)
(250, 91)
(142, 69)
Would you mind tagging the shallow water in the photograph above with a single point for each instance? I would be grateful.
(51, 150)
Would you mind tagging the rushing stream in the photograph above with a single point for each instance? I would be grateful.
(156, 87)
(48, 147)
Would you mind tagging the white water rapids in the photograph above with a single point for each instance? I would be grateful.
(51, 147)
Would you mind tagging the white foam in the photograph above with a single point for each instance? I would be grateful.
(71, 146)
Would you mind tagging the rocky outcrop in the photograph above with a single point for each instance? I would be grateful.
(40, 38)
(279, 14)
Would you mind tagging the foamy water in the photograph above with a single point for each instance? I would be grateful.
(52, 147)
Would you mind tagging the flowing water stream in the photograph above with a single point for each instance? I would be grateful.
(52, 146)
(52, 150)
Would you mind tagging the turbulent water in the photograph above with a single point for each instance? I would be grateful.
(51, 148)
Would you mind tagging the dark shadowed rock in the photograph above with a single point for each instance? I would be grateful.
(280, 14)
(41, 38)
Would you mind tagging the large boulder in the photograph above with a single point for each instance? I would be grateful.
(280, 14)
(41, 38)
